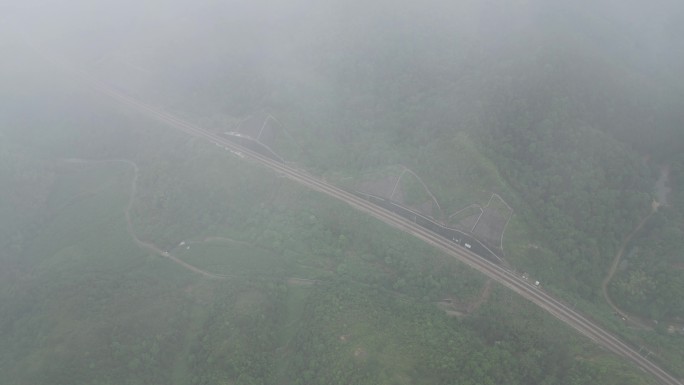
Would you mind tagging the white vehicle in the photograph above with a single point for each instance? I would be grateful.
(467, 245)
(536, 283)
(237, 153)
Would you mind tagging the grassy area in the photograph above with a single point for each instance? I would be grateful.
(295, 303)
(413, 191)
(458, 173)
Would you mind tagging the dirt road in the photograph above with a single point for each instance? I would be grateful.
(151, 247)
(632, 320)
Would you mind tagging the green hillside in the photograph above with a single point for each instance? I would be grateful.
(133, 253)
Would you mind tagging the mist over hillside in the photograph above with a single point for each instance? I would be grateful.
(611, 64)
(132, 252)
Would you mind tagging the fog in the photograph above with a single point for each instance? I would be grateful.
(470, 65)
(270, 34)
(560, 123)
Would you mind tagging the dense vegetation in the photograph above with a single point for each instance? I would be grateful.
(651, 277)
(562, 113)
(86, 305)
(360, 336)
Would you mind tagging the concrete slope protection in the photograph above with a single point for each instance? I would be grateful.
(457, 236)
(501, 274)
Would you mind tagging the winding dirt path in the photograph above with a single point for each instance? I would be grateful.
(149, 246)
(633, 320)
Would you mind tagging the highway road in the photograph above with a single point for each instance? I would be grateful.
(507, 278)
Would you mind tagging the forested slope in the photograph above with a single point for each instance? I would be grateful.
(567, 111)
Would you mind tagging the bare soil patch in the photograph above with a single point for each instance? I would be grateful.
(360, 353)
(456, 308)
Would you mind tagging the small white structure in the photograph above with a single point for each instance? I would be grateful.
(536, 283)
(467, 245)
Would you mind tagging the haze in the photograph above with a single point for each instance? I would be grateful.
(337, 192)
